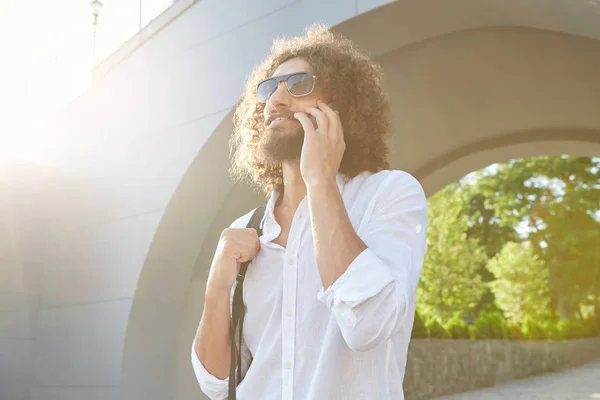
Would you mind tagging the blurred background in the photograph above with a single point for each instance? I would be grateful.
(114, 122)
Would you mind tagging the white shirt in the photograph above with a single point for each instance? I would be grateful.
(349, 341)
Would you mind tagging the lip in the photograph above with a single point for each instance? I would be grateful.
(279, 121)
(274, 118)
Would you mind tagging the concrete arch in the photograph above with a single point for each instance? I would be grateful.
(204, 203)
(486, 91)
(470, 102)
(459, 162)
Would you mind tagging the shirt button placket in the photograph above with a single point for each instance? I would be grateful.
(288, 320)
(288, 317)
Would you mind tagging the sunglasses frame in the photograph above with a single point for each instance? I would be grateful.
(284, 78)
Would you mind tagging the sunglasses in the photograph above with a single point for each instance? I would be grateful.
(298, 84)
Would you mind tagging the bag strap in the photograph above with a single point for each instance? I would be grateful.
(238, 311)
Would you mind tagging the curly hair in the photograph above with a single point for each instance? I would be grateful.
(354, 81)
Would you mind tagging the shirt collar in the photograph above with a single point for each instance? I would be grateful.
(271, 228)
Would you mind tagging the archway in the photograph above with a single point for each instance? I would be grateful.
(463, 96)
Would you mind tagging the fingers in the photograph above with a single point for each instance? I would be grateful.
(240, 258)
(247, 254)
(305, 122)
(322, 119)
(243, 244)
(328, 121)
(333, 118)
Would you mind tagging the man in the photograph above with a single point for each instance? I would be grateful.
(330, 293)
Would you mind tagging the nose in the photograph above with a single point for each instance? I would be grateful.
(281, 97)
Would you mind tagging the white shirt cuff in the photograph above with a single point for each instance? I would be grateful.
(212, 386)
(366, 276)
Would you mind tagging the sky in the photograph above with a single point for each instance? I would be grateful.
(46, 48)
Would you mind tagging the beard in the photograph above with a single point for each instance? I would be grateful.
(282, 143)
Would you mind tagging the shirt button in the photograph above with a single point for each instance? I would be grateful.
(419, 228)
(288, 314)
(288, 365)
(290, 261)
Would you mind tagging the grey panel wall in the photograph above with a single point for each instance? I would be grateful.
(125, 145)
(20, 270)
(18, 311)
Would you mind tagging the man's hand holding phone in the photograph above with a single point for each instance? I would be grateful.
(324, 146)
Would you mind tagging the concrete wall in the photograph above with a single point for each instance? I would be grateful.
(21, 240)
(18, 313)
(128, 142)
(440, 367)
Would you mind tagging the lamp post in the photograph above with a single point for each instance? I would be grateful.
(96, 7)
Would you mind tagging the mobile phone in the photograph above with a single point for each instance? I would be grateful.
(331, 105)
(314, 121)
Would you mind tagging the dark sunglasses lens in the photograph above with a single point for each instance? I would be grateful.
(265, 89)
(300, 85)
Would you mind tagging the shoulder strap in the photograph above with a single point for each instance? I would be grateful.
(238, 312)
(254, 222)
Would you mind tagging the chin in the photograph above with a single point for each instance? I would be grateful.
(281, 145)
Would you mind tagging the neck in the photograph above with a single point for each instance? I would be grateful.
(294, 188)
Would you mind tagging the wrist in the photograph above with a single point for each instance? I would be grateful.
(320, 182)
(216, 292)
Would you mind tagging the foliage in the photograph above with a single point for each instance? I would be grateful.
(591, 327)
(419, 331)
(514, 331)
(514, 252)
(457, 328)
(491, 234)
(435, 330)
(473, 332)
(554, 202)
(450, 283)
(521, 285)
(491, 325)
(533, 329)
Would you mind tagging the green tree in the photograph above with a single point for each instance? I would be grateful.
(491, 325)
(492, 235)
(555, 203)
(419, 330)
(435, 330)
(521, 287)
(450, 284)
(457, 328)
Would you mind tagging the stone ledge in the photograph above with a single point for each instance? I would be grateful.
(439, 367)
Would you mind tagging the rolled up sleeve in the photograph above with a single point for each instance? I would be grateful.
(371, 300)
(216, 388)
(213, 387)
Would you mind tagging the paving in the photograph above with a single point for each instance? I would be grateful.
(580, 383)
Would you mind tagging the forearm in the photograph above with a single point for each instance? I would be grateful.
(375, 276)
(335, 241)
(213, 335)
